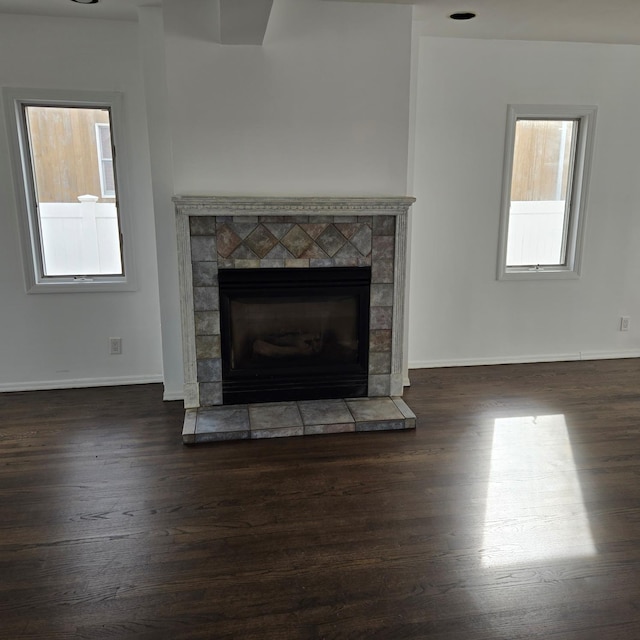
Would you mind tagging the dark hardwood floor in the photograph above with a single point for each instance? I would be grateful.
(512, 512)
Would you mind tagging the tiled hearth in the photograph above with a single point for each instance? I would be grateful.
(217, 232)
(301, 418)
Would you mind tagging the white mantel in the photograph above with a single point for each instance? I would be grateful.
(201, 223)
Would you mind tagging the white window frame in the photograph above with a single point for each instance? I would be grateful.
(585, 115)
(14, 100)
(104, 192)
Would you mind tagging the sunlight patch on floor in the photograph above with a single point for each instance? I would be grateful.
(535, 509)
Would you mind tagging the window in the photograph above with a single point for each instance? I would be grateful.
(105, 160)
(547, 159)
(69, 189)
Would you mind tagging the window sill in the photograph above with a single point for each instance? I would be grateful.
(81, 286)
(538, 274)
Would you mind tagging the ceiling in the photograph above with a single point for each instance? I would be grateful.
(105, 9)
(609, 21)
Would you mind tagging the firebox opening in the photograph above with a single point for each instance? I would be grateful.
(292, 334)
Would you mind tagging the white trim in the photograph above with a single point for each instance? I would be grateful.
(254, 206)
(525, 359)
(609, 355)
(102, 159)
(586, 114)
(189, 426)
(172, 395)
(399, 291)
(187, 313)
(292, 205)
(80, 383)
(13, 99)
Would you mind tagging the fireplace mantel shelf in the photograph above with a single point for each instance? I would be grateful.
(293, 205)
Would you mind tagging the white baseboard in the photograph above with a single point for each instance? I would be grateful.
(610, 355)
(524, 359)
(178, 394)
(79, 383)
(174, 394)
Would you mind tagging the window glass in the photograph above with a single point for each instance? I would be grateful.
(545, 182)
(79, 233)
(105, 156)
(540, 186)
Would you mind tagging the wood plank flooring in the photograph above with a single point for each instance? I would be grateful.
(512, 512)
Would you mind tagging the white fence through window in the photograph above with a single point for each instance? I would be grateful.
(80, 238)
(536, 232)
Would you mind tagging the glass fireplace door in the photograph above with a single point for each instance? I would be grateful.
(294, 334)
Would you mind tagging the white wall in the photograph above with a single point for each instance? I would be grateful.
(58, 340)
(459, 312)
(322, 108)
(152, 58)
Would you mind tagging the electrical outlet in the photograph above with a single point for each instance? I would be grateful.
(115, 346)
(625, 322)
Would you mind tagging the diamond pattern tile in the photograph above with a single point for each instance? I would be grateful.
(261, 241)
(297, 241)
(314, 251)
(331, 240)
(243, 253)
(227, 241)
(279, 253)
(278, 229)
(348, 256)
(243, 229)
(348, 229)
(361, 240)
(314, 230)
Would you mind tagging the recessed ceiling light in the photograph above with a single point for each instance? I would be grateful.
(85, 1)
(462, 15)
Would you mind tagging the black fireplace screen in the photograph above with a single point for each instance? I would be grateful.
(312, 330)
(290, 334)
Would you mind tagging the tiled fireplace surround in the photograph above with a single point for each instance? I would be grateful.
(224, 232)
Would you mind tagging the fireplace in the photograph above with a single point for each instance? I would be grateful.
(294, 334)
(292, 315)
